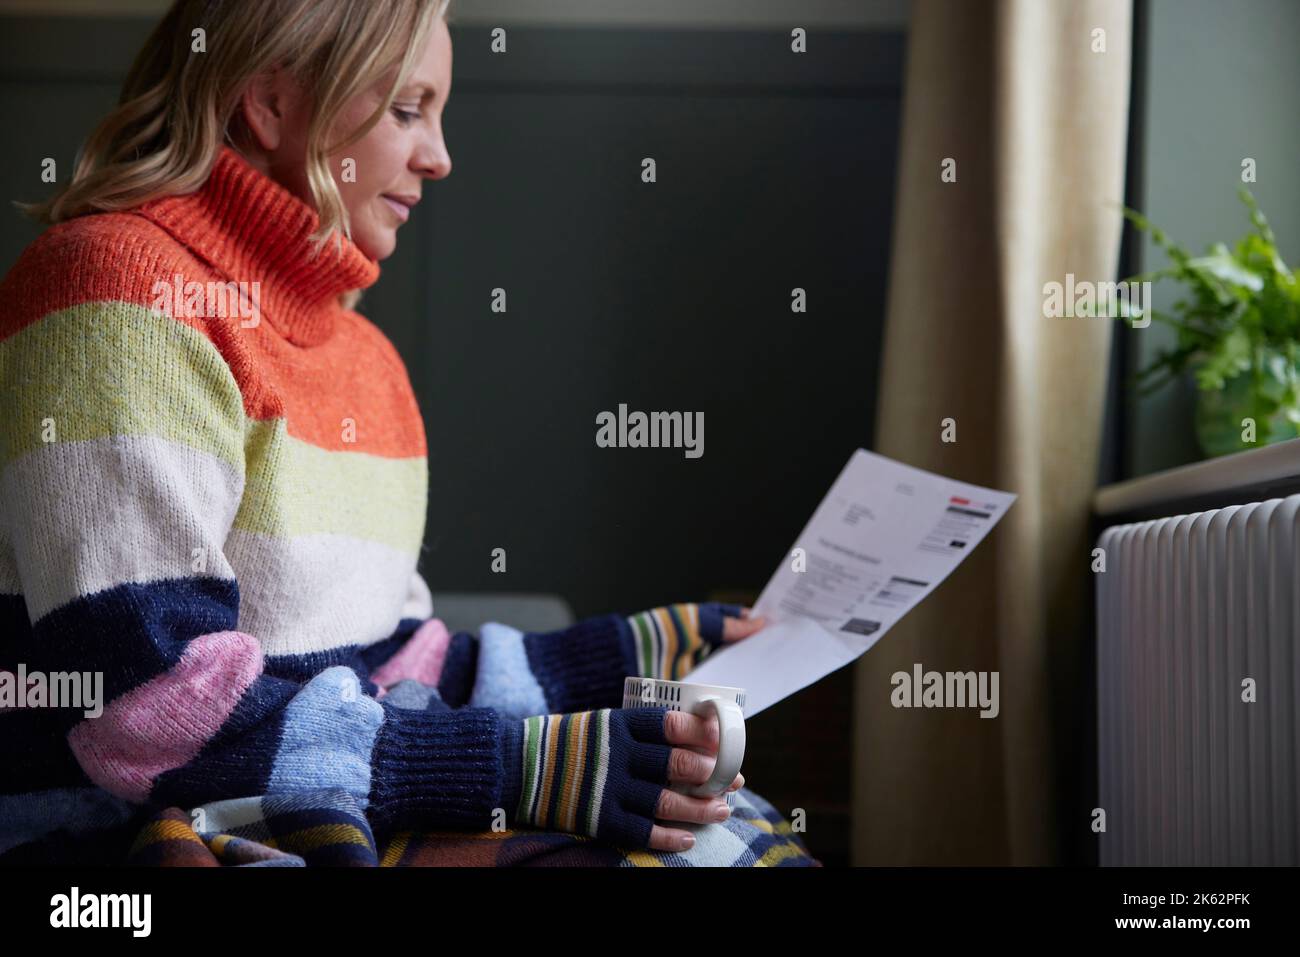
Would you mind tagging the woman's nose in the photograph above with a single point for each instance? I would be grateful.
(433, 160)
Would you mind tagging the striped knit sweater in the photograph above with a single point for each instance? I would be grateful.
(219, 509)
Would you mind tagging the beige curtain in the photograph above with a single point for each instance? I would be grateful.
(1036, 120)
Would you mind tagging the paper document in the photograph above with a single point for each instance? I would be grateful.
(883, 538)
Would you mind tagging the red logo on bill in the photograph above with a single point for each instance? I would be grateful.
(959, 501)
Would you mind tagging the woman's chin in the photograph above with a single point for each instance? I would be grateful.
(379, 245)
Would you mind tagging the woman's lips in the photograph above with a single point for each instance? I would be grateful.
(402, 210)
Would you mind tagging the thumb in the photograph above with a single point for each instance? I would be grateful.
(734, 629)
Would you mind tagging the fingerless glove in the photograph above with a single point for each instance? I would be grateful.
(671, 640)
(598, 773)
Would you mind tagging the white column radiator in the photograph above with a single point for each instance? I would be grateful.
(1188, 608)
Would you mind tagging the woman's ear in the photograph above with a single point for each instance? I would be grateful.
(268, 104)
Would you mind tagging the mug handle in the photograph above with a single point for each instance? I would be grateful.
(731, 746)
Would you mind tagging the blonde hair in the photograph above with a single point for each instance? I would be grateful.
(176, 106)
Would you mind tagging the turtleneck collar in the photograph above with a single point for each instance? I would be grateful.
(251, 228)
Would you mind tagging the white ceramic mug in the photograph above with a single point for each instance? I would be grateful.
(727, 703)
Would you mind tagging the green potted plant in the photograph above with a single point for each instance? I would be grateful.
(1238, 330)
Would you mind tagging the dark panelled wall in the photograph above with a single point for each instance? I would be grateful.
(774, 171)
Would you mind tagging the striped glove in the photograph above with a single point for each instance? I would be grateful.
(671, 640)
(598, 773)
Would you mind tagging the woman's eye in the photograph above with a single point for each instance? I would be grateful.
(405, 117)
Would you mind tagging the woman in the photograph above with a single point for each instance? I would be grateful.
(214, 475)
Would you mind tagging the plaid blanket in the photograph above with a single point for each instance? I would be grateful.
(327, 828)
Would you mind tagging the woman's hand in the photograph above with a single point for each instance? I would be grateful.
(671, 640)
(688, 766)
(735, 629)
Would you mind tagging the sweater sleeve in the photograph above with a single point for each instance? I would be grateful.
(578, 668)
(122, 471)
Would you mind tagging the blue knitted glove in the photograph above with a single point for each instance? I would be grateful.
(671, 640)
(598, 773)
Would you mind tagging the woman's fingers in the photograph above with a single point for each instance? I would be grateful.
(692, 730)
(670, 838)
(734, 629)
(674, 806)
(682, 807)
(689, 767)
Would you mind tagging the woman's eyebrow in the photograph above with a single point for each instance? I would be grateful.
(425, 90)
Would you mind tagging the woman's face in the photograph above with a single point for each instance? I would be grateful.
(402, 150)
(388, 165)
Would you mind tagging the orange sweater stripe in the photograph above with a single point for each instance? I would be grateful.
(333, 376)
